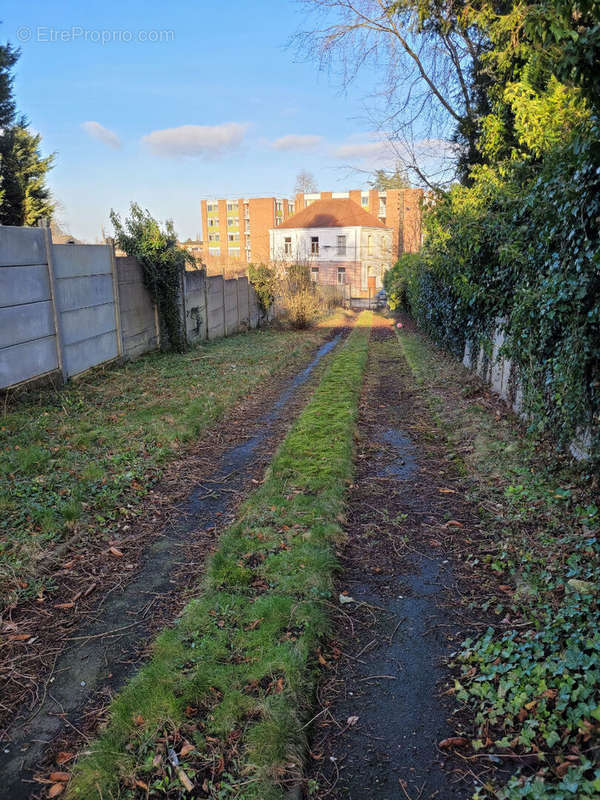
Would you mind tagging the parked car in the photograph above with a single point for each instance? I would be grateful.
(381, 299)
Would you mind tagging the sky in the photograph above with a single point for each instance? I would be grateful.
(169, 103)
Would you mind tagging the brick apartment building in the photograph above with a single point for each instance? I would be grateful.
(235, 233)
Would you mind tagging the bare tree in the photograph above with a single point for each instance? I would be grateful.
(426, 52)
(305, 182)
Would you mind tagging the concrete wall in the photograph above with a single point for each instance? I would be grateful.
(66, 308)
(139, 323)
(28, 342)
(195, 306)
(215, 308)
(86, 305)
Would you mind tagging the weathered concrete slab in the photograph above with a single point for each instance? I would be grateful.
(24, 285)
(21, 246)
(83, 292)
(27, 360)
(26, 322)
(90, 352)
(72, 260)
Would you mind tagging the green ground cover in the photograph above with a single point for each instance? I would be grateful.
(222, 706)
(532, 681)
(78, 459)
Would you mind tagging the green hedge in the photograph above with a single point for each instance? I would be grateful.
(521, 244)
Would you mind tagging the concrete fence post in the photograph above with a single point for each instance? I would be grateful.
(224, 309)
(115, 284)
(55, 311)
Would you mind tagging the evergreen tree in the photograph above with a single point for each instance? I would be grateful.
(25, 198)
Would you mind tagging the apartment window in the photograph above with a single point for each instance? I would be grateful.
(369, 245)
(341, 275)
(314, 274)
(211, 207)
(214, 251)
(382, 206)
(233, 237)
(234, 251)
(232, 207)
(213, 237)
(287, 246)
(341, 245)
(314, 245)
(232, 221)
(212, 222)
(364, 199)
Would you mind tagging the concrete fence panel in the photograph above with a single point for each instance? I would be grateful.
(231, 307)
(214, 306)
(254, 308)
(243, 297)
(86, 305)
(139, 329)
(28, 343)
(195, 306)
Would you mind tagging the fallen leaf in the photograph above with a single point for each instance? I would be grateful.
(59, 777)
(352, 720)
(447, 491)
(188, 785)
(55, 790)
(453, 741)
(435, 543)
(115, 552)
(64, 605)
(322, 661)
(19, 637)
(63, 757)
(453, 523)
(563, 768)
(141, 785)
(138, 720)
(187, 748)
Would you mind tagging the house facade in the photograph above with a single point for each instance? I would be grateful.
(342, 243)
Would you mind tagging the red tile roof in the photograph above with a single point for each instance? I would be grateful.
(332, 214)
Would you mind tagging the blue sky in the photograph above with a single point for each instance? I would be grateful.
(220, 107)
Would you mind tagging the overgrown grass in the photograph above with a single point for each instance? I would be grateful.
(82, 457)
(228, 689)
(532, 682)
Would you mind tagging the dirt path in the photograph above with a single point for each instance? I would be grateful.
(99, 656)
(383, 709)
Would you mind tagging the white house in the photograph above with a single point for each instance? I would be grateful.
(341, 242)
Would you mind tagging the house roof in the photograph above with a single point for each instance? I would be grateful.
(338, 213)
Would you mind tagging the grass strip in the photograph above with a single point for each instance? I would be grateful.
(228, 689)
(531, 681)
(81, 458)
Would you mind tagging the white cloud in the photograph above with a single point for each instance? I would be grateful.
(105, 135)
(297, 141)
(196, 140)
(359, 150)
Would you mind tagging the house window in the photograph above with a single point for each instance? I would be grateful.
(287, 245)
(341, 245)
(369, 245)
(341, 275)
(364, 199)
(314, 274)
(314, 245)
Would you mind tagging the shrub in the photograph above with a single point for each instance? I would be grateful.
(299, 296)
(163, 263)
(264, 280)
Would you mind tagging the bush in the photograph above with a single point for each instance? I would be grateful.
(264, 280)
(299, 296)
(163, 264)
